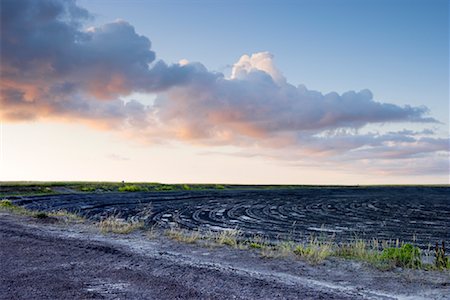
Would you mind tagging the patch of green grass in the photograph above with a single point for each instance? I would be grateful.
(256, 242)
(255, 245)
(406, 256)
(7, 205)
(166, 187)
(131, 188)
(359, 249)
(87, 189)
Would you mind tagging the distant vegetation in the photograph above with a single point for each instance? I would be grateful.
(8, 189)
(131, 188)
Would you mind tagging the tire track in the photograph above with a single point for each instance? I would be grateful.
(406, 213)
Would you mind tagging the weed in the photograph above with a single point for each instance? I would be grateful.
(404, 256)
(5, 203)
(441, 261)
(165, 187)
(314, 251)
(228, 237)
(359, 249)
(185, 236)
(115, 224)
(66, 217)
(151, 233)
(285, 248)
(255, 245)
(269, 252)
(88, 189)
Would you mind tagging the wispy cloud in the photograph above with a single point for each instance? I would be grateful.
(54, 67)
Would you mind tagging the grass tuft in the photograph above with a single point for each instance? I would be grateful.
(383, 255)
(115, 224)
(7, 205)
(184, 236)
(228, 237)
(440, 260)
(314, 251)
(406, 256)
(66, 216)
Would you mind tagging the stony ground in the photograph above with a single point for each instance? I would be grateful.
(41, 260)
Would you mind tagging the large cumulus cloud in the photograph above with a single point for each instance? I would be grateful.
(54, 66)
(258, 102)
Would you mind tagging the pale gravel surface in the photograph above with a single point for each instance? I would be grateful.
(40, 260)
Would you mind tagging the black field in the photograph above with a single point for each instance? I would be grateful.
(419, 214)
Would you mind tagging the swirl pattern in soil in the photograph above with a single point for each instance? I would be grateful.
(421, 214)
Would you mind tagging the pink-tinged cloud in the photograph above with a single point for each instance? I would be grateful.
(53, 67)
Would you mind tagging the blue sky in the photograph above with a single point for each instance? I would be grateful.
(398, 49)
(226, 91)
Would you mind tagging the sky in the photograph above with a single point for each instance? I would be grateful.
(251, 92)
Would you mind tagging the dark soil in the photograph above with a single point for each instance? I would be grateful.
(410, 214)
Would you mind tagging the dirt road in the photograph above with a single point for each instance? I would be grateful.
(47, 261)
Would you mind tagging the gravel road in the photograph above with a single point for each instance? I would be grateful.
(40, 260)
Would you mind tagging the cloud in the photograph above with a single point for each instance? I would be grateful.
(53, 66)
(262, 61)
(252, 105)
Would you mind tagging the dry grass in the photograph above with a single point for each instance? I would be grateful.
(228, 237)
(184, 236)
(151, 233)
(61, 215)
(115, 224)
(314, 251)
(66, 217)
